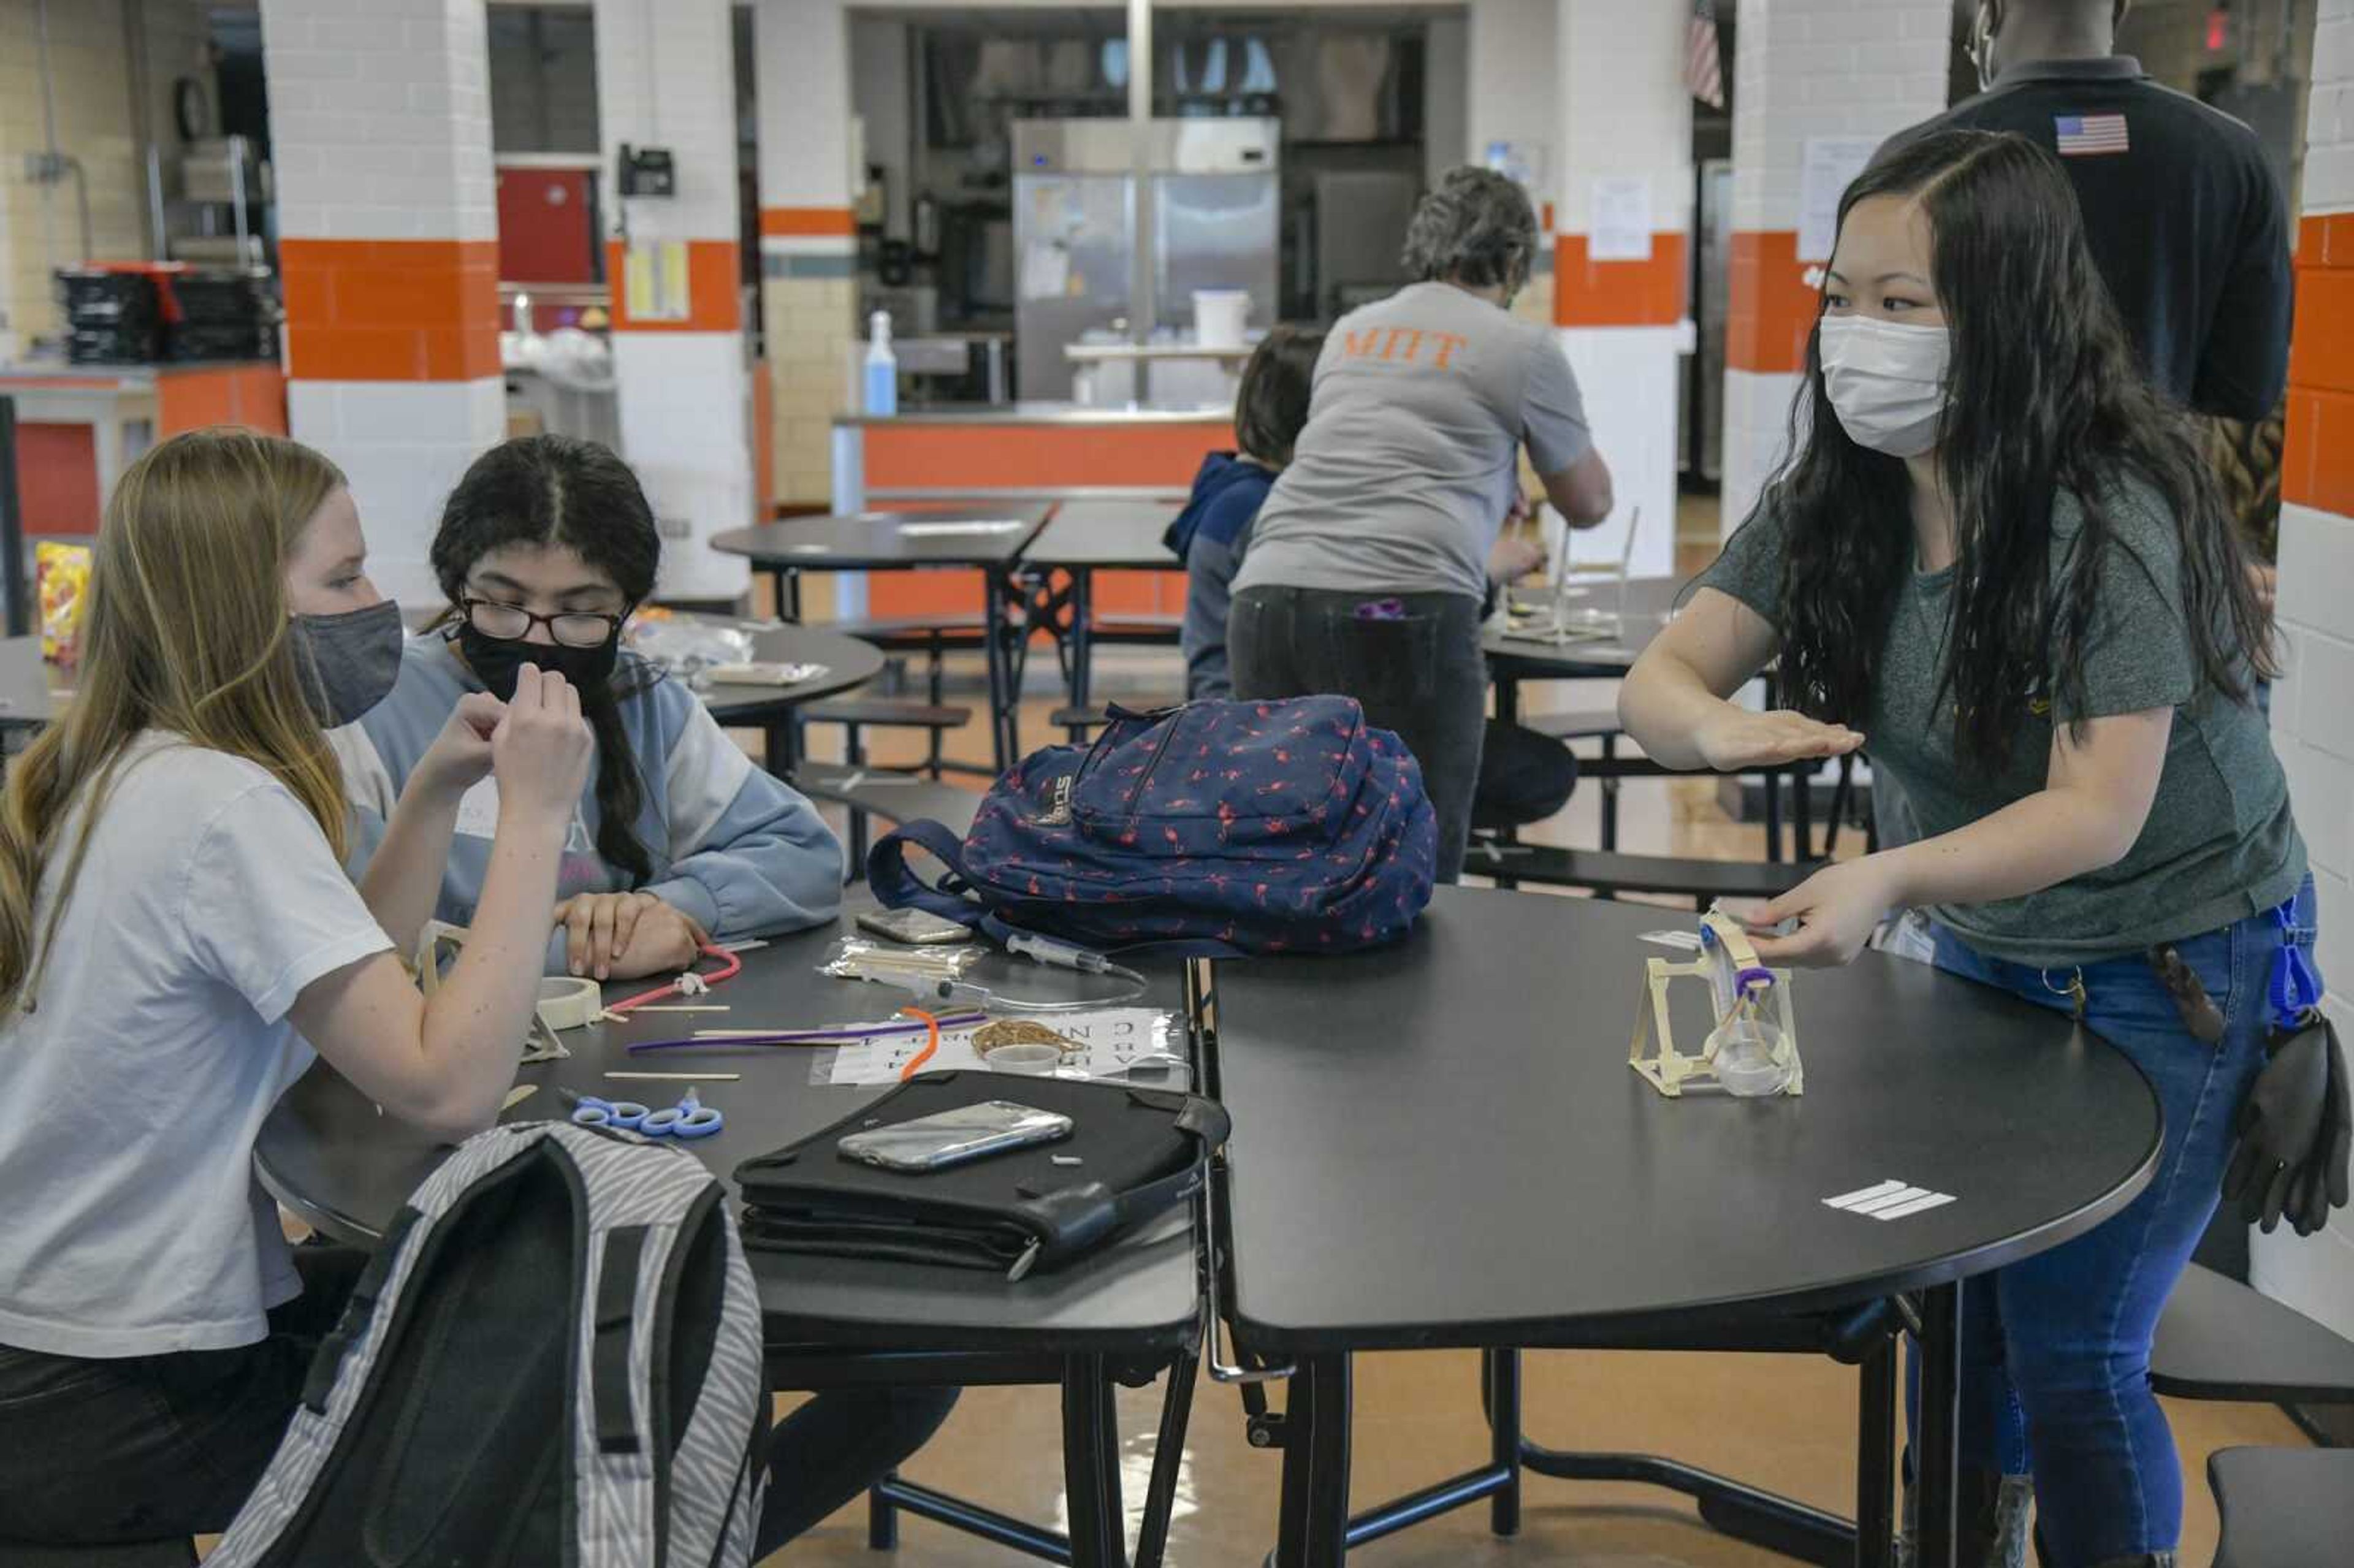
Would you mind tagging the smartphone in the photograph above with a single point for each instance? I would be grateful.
(917, 927)
(953, 1137)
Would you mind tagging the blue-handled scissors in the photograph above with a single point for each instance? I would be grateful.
(689, 1119)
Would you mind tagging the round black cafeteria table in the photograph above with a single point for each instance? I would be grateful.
(1441, 1144)
(1514, 657)
(846, 661)
(984, 533)
(328, 1155)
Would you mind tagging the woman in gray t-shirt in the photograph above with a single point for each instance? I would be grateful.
(1998, 554)
(1369, 562)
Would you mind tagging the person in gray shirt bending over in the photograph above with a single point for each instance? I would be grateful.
(1370, 560)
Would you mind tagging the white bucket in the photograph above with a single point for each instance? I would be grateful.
(1219, 315)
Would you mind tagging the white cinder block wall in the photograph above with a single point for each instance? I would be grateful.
(1804, 68)
(380, 129)
(808, 245)
(1626, 116)
(1514, 99)
(665, 78)
(2313, 709)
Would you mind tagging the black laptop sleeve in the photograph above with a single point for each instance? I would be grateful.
(1138, 1153)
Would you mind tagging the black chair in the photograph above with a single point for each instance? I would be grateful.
(1608, 874)
(2281, 1508)
(1077, 723)
(175, 1554)
(880, 792)
(858, 715)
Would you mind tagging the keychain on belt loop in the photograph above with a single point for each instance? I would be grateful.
(2073, 990)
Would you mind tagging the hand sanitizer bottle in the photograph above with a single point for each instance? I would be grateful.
(882, 368)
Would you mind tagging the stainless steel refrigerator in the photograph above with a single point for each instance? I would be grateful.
(1216, 190)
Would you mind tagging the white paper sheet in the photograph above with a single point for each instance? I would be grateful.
(1831, 165)
(1114, 1040)
(1618, 224)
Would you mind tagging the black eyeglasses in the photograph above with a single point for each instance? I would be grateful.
(512, 623)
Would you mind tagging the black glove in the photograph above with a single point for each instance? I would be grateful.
(2280, 1121)
(2321, 1183)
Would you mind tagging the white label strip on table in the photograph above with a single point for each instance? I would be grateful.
(1919, 1205)
(1890, 1200)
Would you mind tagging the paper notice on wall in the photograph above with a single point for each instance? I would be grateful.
(1830, 164)
(1618, 224)
(1045, 271)
(654, 280)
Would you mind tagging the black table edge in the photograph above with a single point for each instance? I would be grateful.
(1267, 1339)
(875, 1334)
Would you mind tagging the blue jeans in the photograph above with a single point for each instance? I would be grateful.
(2055, 1348)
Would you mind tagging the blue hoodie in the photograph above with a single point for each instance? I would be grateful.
(733, 849)
(1210, 536)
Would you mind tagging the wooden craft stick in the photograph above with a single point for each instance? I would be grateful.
(680, 1077)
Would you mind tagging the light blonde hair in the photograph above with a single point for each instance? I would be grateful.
(186, 631)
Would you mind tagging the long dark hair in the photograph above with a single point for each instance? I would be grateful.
(1271, 404)
(554, 490)
(2045, 394)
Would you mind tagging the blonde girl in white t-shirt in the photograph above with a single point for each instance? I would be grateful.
(175, 927)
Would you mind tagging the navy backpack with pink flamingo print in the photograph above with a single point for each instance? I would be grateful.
(1218, 829)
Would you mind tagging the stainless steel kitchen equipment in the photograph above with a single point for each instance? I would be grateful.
(1215, 223)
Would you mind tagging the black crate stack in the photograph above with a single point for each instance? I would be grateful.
(111, 317)
(225, 314)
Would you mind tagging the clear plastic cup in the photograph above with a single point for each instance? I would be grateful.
(1745, 1049)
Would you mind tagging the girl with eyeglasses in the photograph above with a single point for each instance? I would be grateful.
(545, 546)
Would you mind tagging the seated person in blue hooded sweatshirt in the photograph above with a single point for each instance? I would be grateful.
(545, 546)
(1525, 776)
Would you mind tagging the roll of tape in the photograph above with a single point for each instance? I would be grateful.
(568, 1004)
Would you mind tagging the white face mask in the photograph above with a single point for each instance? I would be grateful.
(1886, 381)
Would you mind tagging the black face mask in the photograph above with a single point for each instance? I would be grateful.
(496, 660)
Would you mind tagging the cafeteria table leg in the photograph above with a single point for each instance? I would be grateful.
(882, 1518)
(1082, 642)
(1502, 1371)
(1091, 1465)
(1937, 1443)
(1315, 1525)
(1168, 1459)
(1875, 1457)
(1004, 730)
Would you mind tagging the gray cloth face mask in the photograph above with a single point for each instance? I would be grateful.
(349, 661)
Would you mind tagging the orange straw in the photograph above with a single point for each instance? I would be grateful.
(931, 1043)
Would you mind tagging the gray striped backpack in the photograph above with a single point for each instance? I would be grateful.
(554, 1359)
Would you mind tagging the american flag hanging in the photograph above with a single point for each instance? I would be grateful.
(1703, 69)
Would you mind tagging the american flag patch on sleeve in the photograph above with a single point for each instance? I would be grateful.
(2090, 135)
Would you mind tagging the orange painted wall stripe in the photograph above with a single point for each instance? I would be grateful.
(253, 395)
(1773, 307)
(807, 222)
(1589, 293)
(2318, 460)
(391, 310)
(1013, 457)
(982, 458)
(715, 277)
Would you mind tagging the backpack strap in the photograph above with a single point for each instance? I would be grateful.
(898, 887)
(608, 1360)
